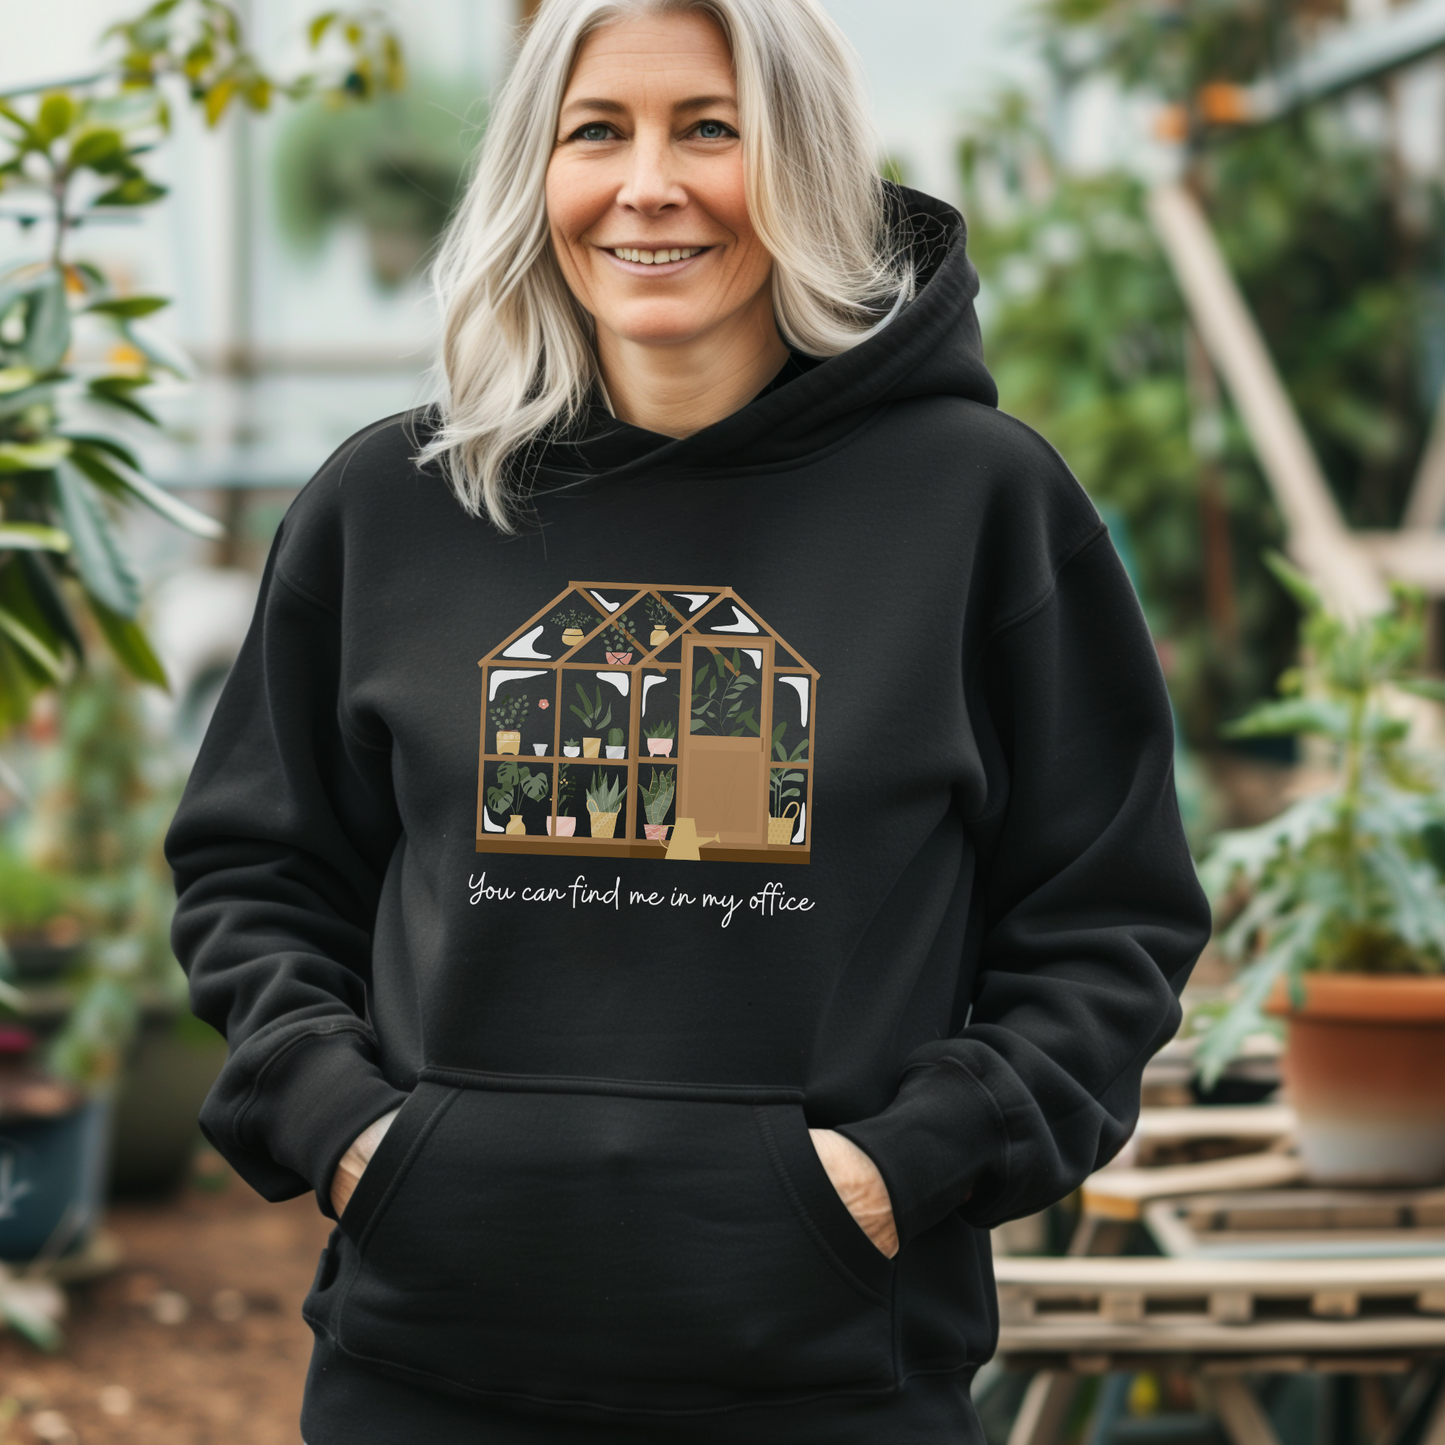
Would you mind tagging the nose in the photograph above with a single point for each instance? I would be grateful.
(652, 184)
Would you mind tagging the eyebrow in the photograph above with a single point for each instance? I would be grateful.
(612, 107)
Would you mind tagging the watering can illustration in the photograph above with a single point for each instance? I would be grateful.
(684, 842)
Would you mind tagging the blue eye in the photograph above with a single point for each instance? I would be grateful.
(595, 130)
(713, 130)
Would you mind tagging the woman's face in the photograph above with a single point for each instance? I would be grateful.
(647, 160)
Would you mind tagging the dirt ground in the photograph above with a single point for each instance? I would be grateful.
(196, 1339)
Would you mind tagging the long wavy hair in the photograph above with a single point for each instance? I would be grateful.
(518, 358)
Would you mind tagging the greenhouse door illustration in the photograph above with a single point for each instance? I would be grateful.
(722, 781)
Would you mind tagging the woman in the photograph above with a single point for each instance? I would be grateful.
(624, 1150)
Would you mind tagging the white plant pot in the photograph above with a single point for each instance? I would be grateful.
(617, 752)
(540, 749)
(572, 752)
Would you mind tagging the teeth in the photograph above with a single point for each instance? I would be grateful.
(655, 258)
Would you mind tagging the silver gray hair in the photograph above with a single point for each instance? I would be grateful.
(518, 360)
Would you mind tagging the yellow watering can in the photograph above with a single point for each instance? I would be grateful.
(684, 842)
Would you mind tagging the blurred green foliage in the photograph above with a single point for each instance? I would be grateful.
(1086, 332)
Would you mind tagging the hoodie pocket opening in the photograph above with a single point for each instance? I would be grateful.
(634, 1253)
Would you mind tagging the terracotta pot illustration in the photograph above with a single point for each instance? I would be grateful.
(780, 830)
(619, 659)
(591, 747)
(656, 832)
(566, 827)
(658, 637)
(571, 636)
(508, 741)
(1364, 1067)
(604, 825)
(516, 825)
(660, 747)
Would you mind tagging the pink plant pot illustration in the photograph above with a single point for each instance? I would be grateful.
(566, 827)
(656, 832)
(619, 659)
(659, 747)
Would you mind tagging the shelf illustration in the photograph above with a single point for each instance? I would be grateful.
(647, 721)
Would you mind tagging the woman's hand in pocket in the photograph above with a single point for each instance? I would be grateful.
(860, 1186)
(354, 1161)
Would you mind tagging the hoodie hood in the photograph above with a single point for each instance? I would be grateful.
(932, 347)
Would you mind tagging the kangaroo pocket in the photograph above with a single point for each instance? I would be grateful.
(639, 1252)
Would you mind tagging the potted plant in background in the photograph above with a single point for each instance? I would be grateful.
(594, 715)
(656, 800)
(661, 619)
(566, 822)
(574, 625)
(1338, 908)
(616, 743)
(660, 738)
(571, 748)
(507, 717)
(604, 802)
(620, 640)
(785, 784)
(515, 782)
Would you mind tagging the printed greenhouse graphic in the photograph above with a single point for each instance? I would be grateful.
(647, 721)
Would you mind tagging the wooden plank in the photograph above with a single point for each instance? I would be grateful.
(1045, 1409)
(1318, 537)
(1075, 1278)
(1239, 1411)
(1122, 1193)
(1225, 1121)
(1066, 1334)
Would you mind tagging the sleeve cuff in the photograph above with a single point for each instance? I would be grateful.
(313, 1101)
(939, 1144)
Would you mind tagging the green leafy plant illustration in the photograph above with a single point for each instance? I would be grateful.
(607, 792)
(719, 695)
(566, 785)
(785, 783)
(659, 614)
(1348, 879)
(620, 636)
(594, 714)
(657, 794)
(616, 738)
(569, 617)
(508, 714)
(664, 729)
(515, 782)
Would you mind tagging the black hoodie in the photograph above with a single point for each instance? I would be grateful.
(880, 836)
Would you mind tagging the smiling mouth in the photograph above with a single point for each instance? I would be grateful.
(659, 257)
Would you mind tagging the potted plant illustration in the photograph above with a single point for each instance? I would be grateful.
(574, 626)
(595, 715)
(660, 738)
(604, 802)
(656, 800)
(1338, 905)
(566, 822)
(507, 717)
(571, 748)
(514, 783)
(661, 618)
(616, 743)
(785, 787)
(620, 639)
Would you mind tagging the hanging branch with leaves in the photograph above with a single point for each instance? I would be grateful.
(77, 154)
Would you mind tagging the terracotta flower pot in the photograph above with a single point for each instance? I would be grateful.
(659, 747)
(656, 832)
(619, 659)
(1364, 1067)
(566, 827)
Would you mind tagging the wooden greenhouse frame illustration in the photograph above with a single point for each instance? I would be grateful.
(723, 783)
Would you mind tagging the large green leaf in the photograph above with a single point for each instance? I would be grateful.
(96, 551)
(33, 456)
(32, 537)
(47, 324)
(171, 508)
(118, 391)
(129, 308)
(47, 600)
(130, 645)
(30, 644)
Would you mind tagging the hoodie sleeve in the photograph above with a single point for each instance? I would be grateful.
(1094, 917)
(279, 847)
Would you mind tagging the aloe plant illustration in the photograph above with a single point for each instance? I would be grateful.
(719, 694)
(595, 715)
(606, 792)
(657, 794)
(785, 783)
